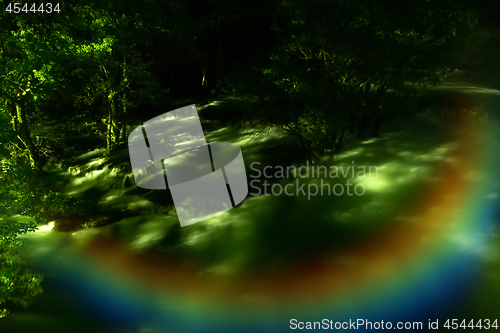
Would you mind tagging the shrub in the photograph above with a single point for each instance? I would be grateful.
(17, 284)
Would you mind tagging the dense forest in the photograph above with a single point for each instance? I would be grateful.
(324, 76)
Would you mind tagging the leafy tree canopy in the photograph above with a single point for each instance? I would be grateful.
(343, 66)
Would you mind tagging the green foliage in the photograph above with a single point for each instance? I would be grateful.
(114, 73)
(7, 135)
(33, 61)
(89, 60)
(17, 284)
(343, 66)
(26, 193)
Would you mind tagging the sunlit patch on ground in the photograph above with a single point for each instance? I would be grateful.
(49, 226)
(376, 184)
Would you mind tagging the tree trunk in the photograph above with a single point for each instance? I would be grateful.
(111, 126)
(203, 79)
(352, 119)
(23, 132)
(376, 118)
(376, 126)
(338, 141)
(220, 70)
(203, 71)
(122, 126)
